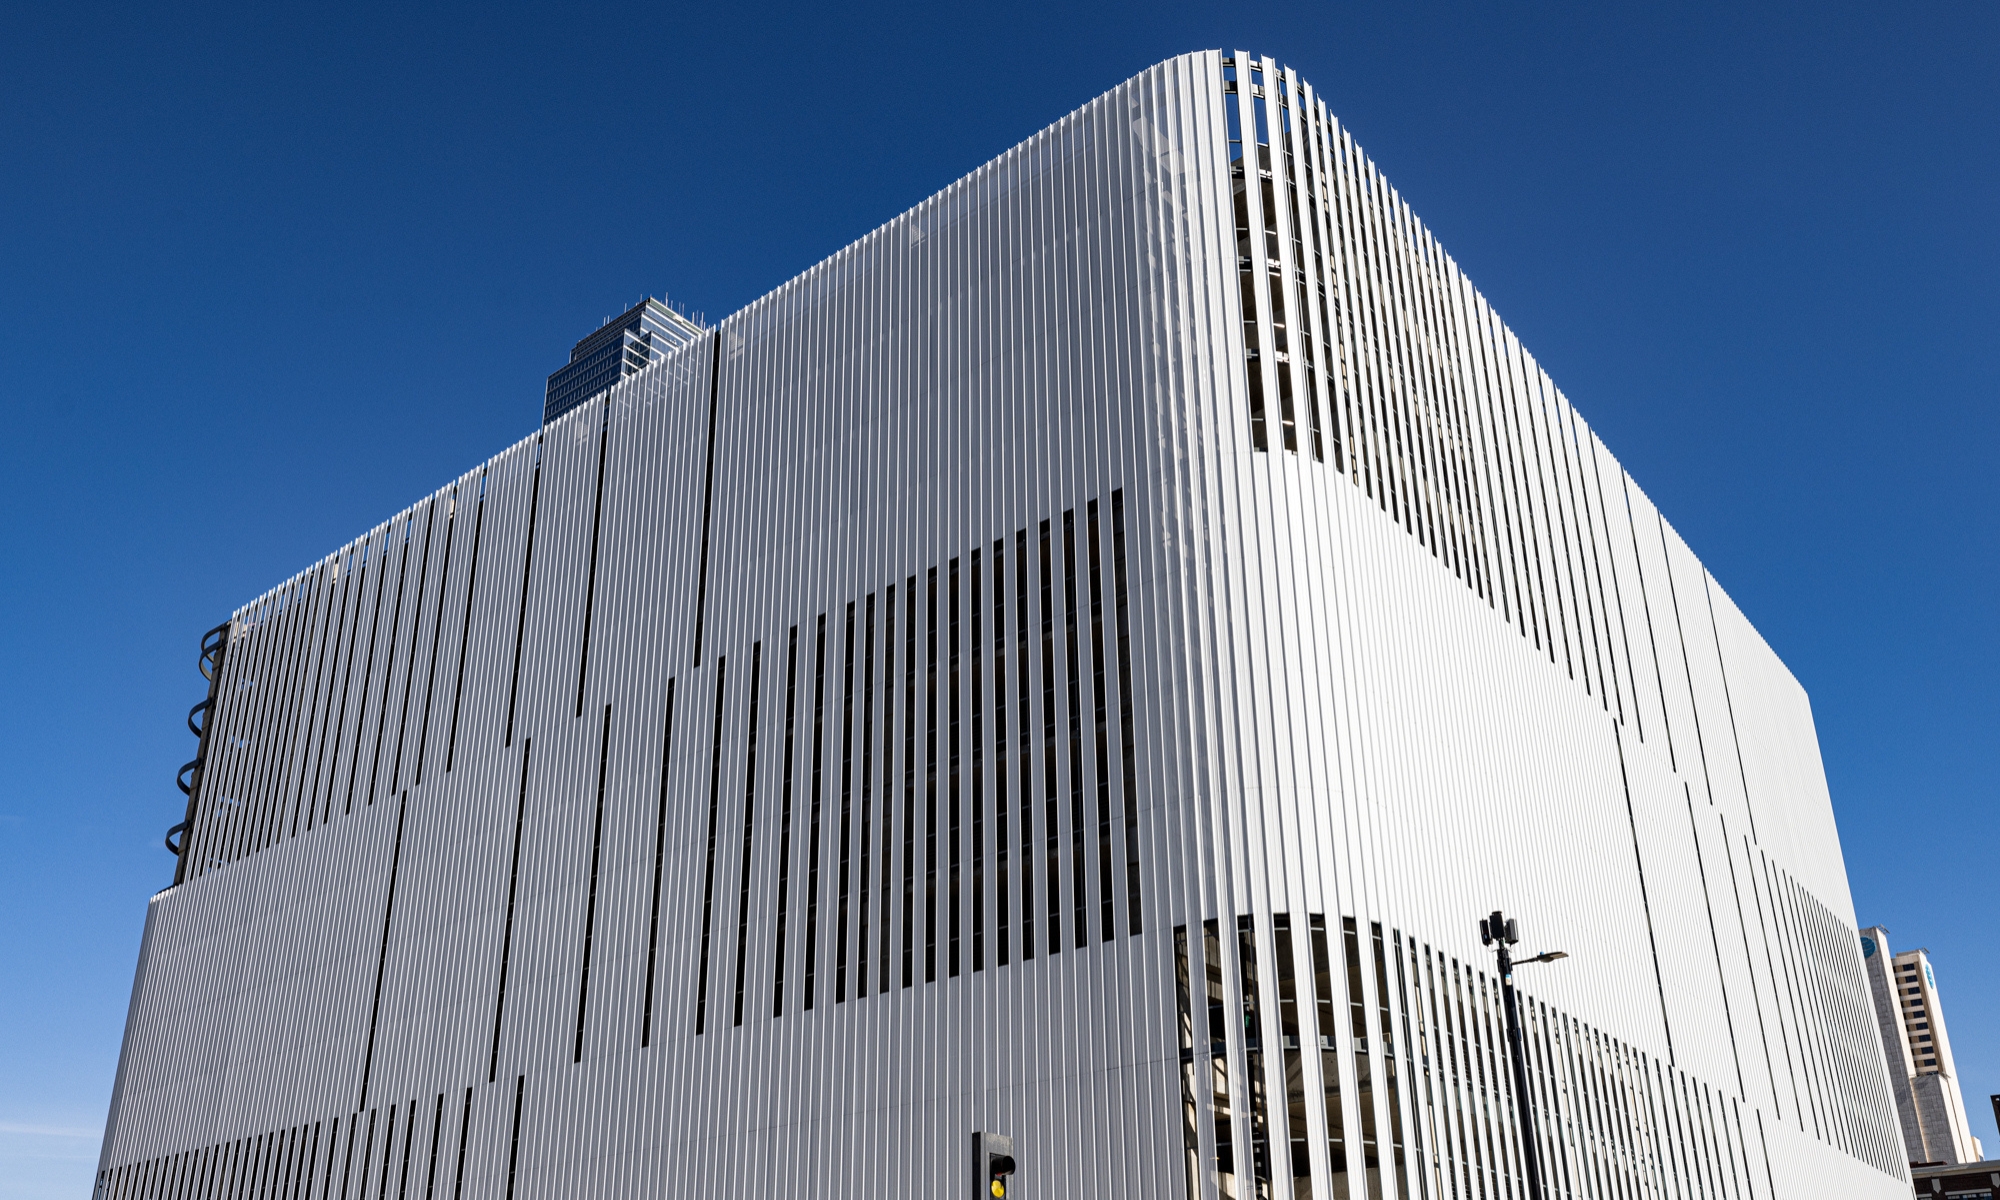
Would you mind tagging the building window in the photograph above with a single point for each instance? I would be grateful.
(1027, 783)
(1126, 749)
(846, 807)
(1190, 1138)
(1363, 1080)
(1101, 723)
(909, 797)
(1336, 1136)
(867, 784)
(812, 854)
(1218, 1050)
(1051, 814)
(1298, 1133)
(1387, 1022)
(708, 870)
(659, 868)
(785, 822)
(1074, 726)
(1000, 748)
(1246, 268)
(749, 812)
(1253, 1054)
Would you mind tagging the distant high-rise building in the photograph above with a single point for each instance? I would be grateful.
(1935, 1128)
(644, 333)
(1958, 1181)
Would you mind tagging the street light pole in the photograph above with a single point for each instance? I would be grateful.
(1501, 933)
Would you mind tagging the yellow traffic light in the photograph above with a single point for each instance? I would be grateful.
(992, 1163)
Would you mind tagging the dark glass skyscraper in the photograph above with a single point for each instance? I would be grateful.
(647, 331)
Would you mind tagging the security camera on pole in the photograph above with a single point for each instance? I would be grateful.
(1502, 933)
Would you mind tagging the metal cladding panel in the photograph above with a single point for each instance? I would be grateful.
(1078, 663)
(1783, 775)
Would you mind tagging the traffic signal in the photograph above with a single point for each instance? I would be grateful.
(992, 1165)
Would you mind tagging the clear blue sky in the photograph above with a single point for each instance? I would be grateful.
(267, 275)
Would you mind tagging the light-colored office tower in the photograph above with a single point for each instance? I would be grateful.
(1918, 1048)
(1077, 664)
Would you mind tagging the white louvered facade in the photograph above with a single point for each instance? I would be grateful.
(1077, 663)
